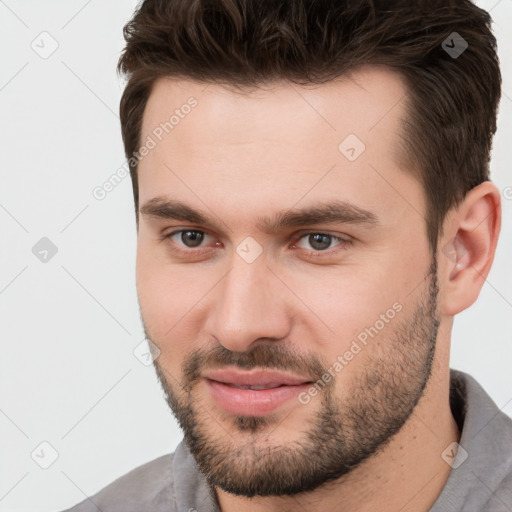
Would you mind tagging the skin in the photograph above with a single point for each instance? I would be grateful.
(372, 439)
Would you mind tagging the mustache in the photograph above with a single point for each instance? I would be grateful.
(265, 356)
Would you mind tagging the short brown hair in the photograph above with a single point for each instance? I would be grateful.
(452, 100)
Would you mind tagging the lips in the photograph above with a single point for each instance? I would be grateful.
(238, 399)
(268, 386)
(256, 379)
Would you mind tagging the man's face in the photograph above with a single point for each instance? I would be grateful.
(348, 303)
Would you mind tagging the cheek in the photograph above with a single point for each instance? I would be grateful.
(346, 300)
(161, 291)
(357, 311)
(363, 311)
(171, 299)
(161, 310)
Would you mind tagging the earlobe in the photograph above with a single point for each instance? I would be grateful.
(470, 252)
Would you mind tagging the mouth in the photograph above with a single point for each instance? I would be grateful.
(253, 400)
(264, 379)
(255, 387)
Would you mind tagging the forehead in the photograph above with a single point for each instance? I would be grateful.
(211, 139)
(372, 98)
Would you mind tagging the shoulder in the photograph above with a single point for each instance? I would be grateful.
(500, 497)
(149, 485)
(483, 479)
(495, 479)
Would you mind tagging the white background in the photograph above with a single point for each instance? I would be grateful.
(68, 375)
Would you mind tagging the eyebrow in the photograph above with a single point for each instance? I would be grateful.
(325, 212)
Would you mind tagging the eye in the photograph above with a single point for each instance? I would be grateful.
(190, 238)
(185, 240)
(320, 242)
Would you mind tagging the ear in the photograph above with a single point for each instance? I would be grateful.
(468, 247)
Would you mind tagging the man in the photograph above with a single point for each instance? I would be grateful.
(313, 207)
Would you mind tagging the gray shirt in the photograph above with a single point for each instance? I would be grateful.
(481, 483)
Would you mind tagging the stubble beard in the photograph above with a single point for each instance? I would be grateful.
(341, 435)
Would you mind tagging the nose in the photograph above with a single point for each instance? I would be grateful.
(251, 303)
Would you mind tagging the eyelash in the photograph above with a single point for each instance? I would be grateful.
(315, 253)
